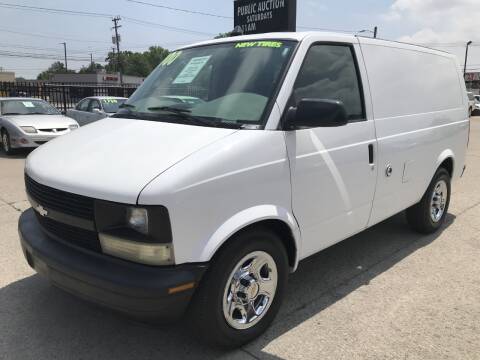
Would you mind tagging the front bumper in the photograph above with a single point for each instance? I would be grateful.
(33, 140)
(138, 290)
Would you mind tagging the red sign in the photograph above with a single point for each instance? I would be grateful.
(110, 78)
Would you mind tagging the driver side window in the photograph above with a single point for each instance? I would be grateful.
(330, 72)
(94, 104)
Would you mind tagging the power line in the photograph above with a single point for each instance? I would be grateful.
(52, 10)
(52, 36)
(181, 10)
(46, 56)
(165, 27)
(26, 47)
(144, 22)
(325, 29)
(101, 15)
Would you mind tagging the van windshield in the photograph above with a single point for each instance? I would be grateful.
(224, 85)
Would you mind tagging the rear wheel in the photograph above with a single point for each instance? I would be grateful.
(242, 291)
(6, 145)
(429, 214)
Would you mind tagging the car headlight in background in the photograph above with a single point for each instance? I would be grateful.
(29, 129)
(73, 127)
(139, 234)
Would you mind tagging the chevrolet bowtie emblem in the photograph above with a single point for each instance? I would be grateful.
(41, 210)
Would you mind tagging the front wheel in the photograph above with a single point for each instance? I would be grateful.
(242, 291)
(429, 214)
(6, 145)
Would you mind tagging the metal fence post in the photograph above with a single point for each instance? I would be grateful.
(64, 99)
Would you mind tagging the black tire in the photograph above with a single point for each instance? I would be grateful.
(419, 215)
(206, 308)
(6, 145)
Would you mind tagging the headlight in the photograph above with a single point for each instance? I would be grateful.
(145, 253)
(139, 234)
(29, 129)
(137, 219)
(73, 127)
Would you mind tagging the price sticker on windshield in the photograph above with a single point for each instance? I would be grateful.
(110, 101)
(191, 70)
(171, 58)
(28, 104)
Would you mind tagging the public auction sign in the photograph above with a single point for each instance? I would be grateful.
(261, 16)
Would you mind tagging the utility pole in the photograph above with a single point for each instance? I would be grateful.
(113, 59)
(117, 42)
(375, 31)
(466, 58)
(91, 59)
(65, 51)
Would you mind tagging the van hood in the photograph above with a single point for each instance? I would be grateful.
(41, 121)
(114, 159)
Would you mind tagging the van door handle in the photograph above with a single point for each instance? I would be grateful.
(371, 160)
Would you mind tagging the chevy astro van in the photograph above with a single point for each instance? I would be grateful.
(291, 143)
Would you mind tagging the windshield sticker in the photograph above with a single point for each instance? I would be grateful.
(171, 58)
(110, 101)
(190, 72)
(265, 44)
(28, 104)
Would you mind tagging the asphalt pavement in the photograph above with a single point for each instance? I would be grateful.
(387, 293)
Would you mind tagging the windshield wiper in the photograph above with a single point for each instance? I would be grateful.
(169, 109)
(12, 114)
(194, 120)
(183, 114)
(123, 106)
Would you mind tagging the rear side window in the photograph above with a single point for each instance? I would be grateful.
(83, 105)
(330, 72)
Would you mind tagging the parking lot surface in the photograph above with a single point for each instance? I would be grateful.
(387, 293)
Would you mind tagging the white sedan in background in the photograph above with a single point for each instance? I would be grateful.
(29, 123)
(95, 108)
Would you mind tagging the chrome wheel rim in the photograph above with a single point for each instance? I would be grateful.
(5, 142)
(250, 290)
(438, 200)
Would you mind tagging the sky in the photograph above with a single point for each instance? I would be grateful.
(443, 24)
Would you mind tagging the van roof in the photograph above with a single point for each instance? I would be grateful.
(299, 36)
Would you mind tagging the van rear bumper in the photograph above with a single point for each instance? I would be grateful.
(138, 290)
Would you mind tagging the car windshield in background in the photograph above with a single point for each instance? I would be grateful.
(27, 107)
(112, 105)
(225, 85)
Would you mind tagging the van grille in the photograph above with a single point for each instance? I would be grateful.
(61, 201)
(70, 234)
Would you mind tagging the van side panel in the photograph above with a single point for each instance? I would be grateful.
(420, 113)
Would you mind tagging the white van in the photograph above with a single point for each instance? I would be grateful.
(290, 143)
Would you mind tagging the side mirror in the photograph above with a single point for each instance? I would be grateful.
(97, 110)
(311, 113)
